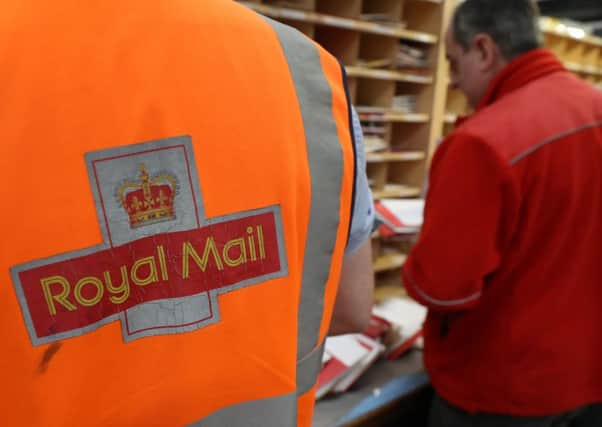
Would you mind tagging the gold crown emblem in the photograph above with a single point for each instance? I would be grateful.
(149, 200)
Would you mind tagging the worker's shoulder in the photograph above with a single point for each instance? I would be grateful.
(464, 145)
(541, 110)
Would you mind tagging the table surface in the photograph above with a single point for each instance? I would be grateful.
(383, 384)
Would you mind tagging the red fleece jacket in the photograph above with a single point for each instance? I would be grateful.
(509, 260)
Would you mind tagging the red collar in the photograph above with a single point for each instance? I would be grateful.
(524, 69)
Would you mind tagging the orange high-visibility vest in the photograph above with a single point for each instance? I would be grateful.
(176, 193)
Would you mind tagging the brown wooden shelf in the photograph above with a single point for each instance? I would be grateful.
(582, 69)
(387, 291)
(552, 26)
(590, 69)
(393, 116)
(396, 117)
(389, 262)
(392, 191)
(399, 76)
(340, 22)
(450, 118)
(401, 156)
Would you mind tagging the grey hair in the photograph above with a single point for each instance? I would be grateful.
(512, 24)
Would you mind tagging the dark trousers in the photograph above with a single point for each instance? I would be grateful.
(443, 414)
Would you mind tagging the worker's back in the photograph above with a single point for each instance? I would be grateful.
(177, 180)
(532, 341)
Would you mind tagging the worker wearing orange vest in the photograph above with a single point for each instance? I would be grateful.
(178, 184)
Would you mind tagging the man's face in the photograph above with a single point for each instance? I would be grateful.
(467, 71)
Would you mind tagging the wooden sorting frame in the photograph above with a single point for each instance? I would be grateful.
(410, 136)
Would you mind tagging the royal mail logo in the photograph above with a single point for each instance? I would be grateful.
(162, 263)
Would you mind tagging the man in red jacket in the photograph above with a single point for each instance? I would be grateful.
(509, 260)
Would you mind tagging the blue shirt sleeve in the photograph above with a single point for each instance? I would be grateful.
(363, 208)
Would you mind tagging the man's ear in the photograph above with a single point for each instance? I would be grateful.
(488, 51)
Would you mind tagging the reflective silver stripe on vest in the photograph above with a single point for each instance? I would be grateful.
(325, 158)
(308, 369)
(278, 411)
